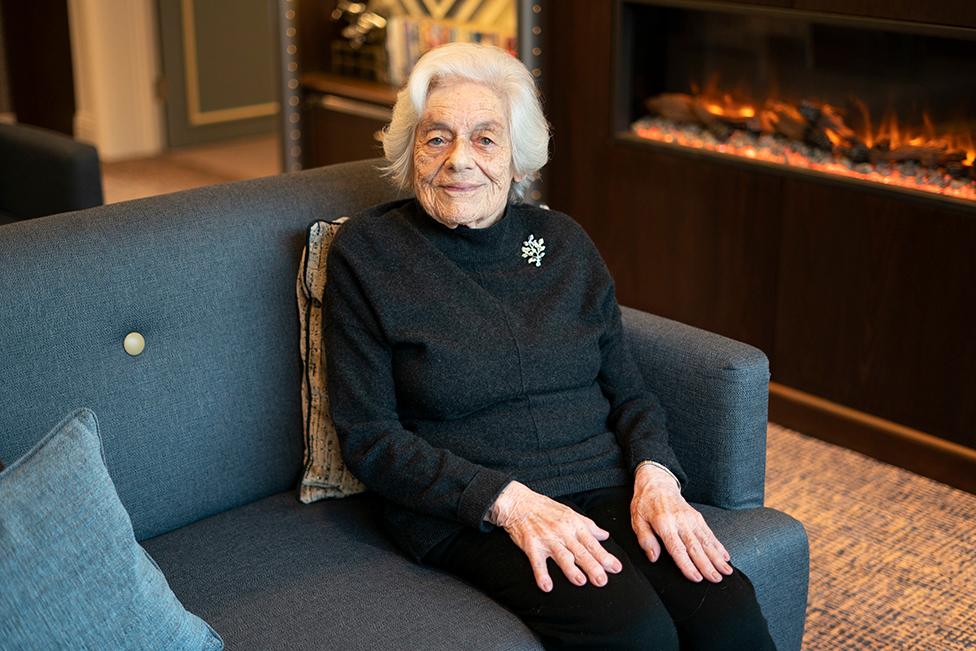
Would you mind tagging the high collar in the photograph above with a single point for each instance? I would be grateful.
(473, 245)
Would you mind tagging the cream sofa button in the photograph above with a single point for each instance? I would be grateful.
(134, 343)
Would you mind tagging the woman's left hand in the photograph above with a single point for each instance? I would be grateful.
(659, 511)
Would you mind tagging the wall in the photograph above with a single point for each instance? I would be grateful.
(6, 111)
(115, 55)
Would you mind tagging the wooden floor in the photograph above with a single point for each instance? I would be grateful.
(191, 167)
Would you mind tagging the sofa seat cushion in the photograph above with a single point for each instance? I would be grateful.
(277, 574)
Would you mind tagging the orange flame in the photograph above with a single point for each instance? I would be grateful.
(731, 110)
(895, 132)
(775, 115)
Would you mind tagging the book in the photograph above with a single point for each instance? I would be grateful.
(408, 38)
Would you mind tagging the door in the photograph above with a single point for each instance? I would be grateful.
(218, 69)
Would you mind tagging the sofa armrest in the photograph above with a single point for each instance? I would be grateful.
(43, 172)
(715, 391)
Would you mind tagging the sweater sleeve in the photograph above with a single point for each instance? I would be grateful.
(636, 416)
(386, 457)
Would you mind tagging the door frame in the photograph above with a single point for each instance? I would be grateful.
(115, 61)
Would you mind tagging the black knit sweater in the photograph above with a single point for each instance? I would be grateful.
(455, 365)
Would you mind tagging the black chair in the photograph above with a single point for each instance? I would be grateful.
(44, 172)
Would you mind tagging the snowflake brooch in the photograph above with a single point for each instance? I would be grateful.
(534, 250)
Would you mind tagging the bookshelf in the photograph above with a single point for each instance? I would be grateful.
(336, 98)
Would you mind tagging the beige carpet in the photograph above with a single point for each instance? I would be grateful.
(892, 554)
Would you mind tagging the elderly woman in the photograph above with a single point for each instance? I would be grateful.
(481, 385)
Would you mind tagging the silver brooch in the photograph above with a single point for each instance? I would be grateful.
(534, 250)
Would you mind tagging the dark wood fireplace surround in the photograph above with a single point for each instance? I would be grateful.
(864, 299)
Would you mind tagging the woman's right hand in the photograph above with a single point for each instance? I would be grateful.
(544, 528)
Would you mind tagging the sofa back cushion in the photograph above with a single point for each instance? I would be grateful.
(208, 416)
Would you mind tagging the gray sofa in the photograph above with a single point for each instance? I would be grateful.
(203, 431)
(43, 172)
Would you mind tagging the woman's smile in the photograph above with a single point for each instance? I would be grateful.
(461, 188)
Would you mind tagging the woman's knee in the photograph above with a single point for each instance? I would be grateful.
(629, 619)
(728, 617)
(649, 627)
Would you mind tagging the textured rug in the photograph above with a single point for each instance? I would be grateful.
(892, 554)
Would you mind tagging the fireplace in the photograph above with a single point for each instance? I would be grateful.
(800, 180)
(865, 101)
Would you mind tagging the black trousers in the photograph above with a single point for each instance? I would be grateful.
(645, 606)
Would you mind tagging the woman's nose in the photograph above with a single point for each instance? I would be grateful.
(460, 155)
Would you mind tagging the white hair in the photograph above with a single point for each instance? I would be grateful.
(483, 64)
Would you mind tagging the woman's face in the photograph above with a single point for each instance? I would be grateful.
(462, 157)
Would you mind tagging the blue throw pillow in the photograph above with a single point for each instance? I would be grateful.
(71, 572)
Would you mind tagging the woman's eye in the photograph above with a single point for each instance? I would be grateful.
(436, 141)
(485, 140)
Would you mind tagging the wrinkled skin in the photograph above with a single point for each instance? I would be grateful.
(462, 155)
(658, 511)
(544, 528)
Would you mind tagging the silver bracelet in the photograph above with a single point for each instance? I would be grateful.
(648, 462)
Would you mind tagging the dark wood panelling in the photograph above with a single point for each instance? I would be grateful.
(357, 89)
(335, 137)
(882, 439)
(786, 4)
(956, 13)
(877, 305)
(783, 4)
(316, 31)
(953, 13)
(693, 239)
(577, 101)
(38, 52)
